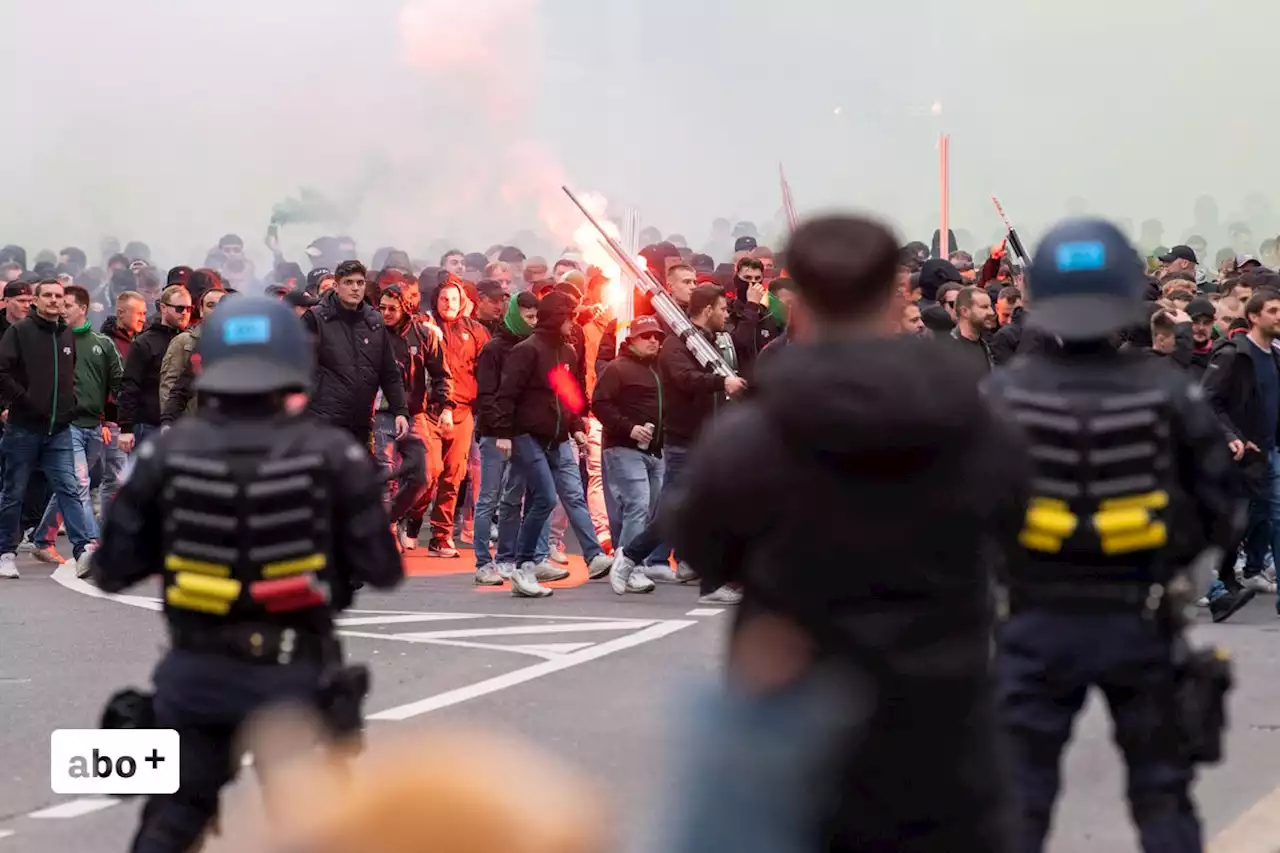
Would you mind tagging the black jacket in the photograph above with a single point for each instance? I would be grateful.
(693, 392)
(354, 358)
(419, 352)
(139, 401)
(37, 374)
(489, 368)
(526, 403)
(977, 354)
(755, 328)
(841, 438)
(1004, 343)
(628, 394)
(1232, 390)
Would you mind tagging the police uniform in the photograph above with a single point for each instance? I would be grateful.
(260, 524)
(1131, 482)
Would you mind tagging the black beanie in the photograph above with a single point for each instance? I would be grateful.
(935, 273)
(554, 309)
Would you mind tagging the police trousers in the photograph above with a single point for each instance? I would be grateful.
(207, 698)
(1046, 663)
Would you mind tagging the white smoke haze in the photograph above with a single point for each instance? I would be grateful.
(174, 122)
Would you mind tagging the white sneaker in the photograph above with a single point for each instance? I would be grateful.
(1202, 601)
(723, 595)
(549, 571)
(83, 561)
(8, 566)
(1269, 573)
(1259, 583)
(48, 555)
(525, 585)
(407, 542)
(638, 582)
(685, 573)
(506, 570)
(666, 574)
(26, 546)
(488, 576)
(620, 573)
(558, 555)
(600, 566)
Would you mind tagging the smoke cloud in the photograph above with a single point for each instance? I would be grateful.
(430, 120)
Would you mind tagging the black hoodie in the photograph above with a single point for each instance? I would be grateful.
(528, 401)
(813, 496)
(37, 374)
(139, 401)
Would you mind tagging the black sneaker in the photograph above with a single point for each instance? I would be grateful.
(1225, 606)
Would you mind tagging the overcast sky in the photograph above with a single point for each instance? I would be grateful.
(175, 122)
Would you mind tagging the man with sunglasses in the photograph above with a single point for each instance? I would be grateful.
(139, 402)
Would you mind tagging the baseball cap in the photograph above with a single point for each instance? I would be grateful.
(745, 244)
(1243, 261)
(1180, 253)
(1201, 307)
(17, 287)
(646, 324)
(1086, 281)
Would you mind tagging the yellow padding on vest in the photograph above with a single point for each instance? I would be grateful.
(1052, 520)
(180, 598)
(1033, 541)
(1112, 522)
(223, 589)
(1148, 500)
(313, 563)
(1148, 539)
(174, 563)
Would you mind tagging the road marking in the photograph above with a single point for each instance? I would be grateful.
(554, 650)
(5, 833)
(66, 576)
(401, 618)
(519, 630)
(75, 808)
(1255, 831)
(704, 611)
(529, 673)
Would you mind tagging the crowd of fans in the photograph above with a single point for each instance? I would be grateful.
(507, 401)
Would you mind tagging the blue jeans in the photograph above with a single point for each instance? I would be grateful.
(113, 462)
(673, 465)
(497, 488)
(86, 449)
(25, 450)
(635, 480)
(551, 473)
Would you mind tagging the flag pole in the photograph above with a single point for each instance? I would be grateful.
(944, 175)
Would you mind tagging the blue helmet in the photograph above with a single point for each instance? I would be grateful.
(1085, 281)
(254, 345)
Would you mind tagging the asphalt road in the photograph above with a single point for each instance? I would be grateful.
(588, 675)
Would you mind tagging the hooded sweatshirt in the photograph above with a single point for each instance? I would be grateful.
(97, 377)
(846, 449)
(464, 338)
(539, 379)
(493, 358)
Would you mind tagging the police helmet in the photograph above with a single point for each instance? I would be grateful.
(1085, 281)
(253, 345)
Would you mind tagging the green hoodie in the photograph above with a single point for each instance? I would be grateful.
(98, 372)
(514, 322)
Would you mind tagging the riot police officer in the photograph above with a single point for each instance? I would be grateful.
(1131, 481)
(259, 520)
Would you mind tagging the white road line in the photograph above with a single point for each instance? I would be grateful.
(521, 630)
(460, 644)
(75, 808)
(401, 618)
(554, 650)
(529, 673)
(704, 611)
(66, 576)
(5, 833)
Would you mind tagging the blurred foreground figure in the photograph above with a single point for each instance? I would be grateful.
(858, 714)
(445, 790)
(1131, 483)
(260, 522)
